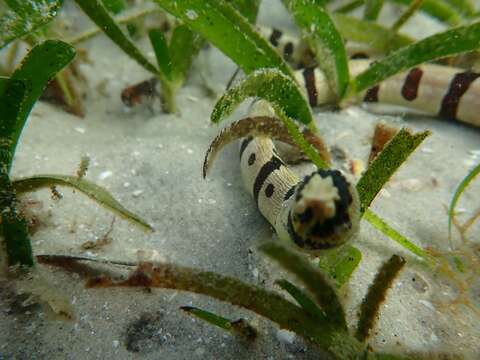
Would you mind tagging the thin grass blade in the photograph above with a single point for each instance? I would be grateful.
(238, 327)
(386, 163)
(93, 191)
(340, 263)
(439, 9)
(451, 42)
(184, 45)
(372, 9)
(458, 192)
(160, 46)
(25, 17)
(314, 281)
(209, 317)
(302, 299)
(407, 14)
(377, 293)
(100, 16)
(376, 36)
(223, 26)
(40, 65)
(393, 234)
(324, 40)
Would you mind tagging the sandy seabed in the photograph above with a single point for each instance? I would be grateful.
(151, 162)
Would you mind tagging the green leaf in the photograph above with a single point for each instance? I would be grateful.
(458, 192)
(25, 17)
(220, 24)
(324, 40)
(434, 47)
(13, 227)
(114, 6)
(184, 45)
(372, 9)
(439, 9)
(340, 263)
(209, 317)
(162, 54)
(407, 14)
(248, 8)
(302, 299)
(100, 16)
(40, 65)
(377, 293)
(93, 191)
(393, 234)
(269, 84)
(386, 163)
(314, 281)
(376, 36)
(238, 327)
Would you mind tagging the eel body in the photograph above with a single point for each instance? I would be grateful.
(321, 211)
(441, 91)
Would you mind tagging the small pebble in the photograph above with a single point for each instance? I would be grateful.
(137, 193)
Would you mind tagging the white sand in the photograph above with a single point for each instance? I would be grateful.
(152, 164)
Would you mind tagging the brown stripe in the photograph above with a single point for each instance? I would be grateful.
(309, 77)
(275, 36)
(372, 94)
(459, 86)
(410, 86)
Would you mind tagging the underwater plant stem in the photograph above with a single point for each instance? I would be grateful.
(167, 95)
(118, 19)
(406, 15)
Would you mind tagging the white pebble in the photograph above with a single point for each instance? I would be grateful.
(80, 130)
(115, 343)
(137, 193)
(190, 151)
(126, 184)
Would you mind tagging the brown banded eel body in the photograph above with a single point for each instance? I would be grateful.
(436, 90)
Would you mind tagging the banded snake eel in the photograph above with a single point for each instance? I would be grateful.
(321, 211)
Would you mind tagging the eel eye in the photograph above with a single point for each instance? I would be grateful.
(325, 212)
